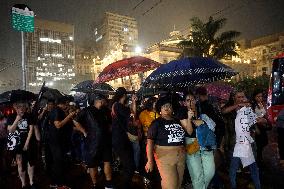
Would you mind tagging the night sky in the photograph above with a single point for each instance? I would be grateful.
(253, 18)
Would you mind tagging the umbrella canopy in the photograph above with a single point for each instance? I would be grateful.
(5, 97)
(219, 90)
(145, 92)
(126, 67)
(21, 95)
(179, 74)
(89, 86)
(51, 94)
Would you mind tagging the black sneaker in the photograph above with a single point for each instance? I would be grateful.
(95, 187)
(34, 186)
(108, 185)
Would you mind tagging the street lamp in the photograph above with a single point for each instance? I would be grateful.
(138, 49)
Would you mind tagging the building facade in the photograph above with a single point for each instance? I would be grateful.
(166, 50)
(84, 65)
(50, 56)
(162, 52)
(115, 30)
(262, 51)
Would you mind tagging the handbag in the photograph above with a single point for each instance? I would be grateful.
(131, 137)
(192, 147)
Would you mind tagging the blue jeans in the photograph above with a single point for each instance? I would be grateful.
(235, 163)
(136, 151)
(201, 167)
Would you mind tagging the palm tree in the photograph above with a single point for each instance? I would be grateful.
(206, 42)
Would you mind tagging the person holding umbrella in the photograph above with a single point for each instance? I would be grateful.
(121, 117)
(21, 127)
(58, 120)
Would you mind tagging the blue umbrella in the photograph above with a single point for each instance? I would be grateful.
(182, 73)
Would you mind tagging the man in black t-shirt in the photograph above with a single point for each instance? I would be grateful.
(94, 122)
(57, 121)
(43, 122)
(20, 127)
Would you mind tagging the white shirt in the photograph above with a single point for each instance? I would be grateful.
(244, 120)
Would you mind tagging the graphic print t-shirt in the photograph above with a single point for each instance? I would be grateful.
(17, 139)
(166, 132)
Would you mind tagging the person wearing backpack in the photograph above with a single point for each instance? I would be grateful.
(199, 157)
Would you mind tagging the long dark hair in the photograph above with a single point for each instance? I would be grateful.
(254, 103)
(197, 106)
(119, 93)
(149, 103)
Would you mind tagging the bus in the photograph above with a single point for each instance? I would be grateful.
(275, 100)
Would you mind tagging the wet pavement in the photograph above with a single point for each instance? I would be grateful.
(272, 176)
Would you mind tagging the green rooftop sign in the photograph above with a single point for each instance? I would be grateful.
(22, 18)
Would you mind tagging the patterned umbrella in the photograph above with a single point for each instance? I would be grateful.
(126, 67)
(180, 74)
(90, 86)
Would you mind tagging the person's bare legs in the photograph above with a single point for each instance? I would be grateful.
(22, 173)
(107, 171)
(93, 174)
(31, 173)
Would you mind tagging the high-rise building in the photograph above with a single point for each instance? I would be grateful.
(50, 55)
(115, 30)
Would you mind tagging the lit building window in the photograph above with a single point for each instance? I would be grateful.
(71, 38)
(43, 39)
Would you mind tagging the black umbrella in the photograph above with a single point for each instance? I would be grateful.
(51, 94)
(5, 97)
(22, 95)
(89, 86)
(146, 92)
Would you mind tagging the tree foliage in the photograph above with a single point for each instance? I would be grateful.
(207, 40)
(251, 84)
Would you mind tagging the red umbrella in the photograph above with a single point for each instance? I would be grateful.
(126, 67)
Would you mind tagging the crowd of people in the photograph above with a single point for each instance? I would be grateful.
(171, 139)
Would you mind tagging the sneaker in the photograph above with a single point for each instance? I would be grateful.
(108, 185)
(34, 186)
(95, 187)
(63, 187)
(53, 186)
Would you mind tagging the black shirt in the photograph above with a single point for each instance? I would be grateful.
(121, 117)
(56, 135)
(181, 115)
(17, 139)
(166, 132)
(92, 119)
